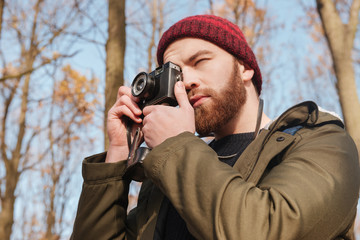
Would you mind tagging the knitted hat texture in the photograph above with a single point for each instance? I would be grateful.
(216, 30)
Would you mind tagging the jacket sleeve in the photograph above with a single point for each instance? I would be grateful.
(102, 208)
(311, 194)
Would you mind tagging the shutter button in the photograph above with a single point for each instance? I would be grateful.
(280, 139)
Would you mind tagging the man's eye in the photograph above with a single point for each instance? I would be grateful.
(202, 60)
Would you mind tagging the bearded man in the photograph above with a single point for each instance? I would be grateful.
(296, 177)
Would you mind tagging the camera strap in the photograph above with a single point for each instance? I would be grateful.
(259, 116)
(134, 144)
(134, 169)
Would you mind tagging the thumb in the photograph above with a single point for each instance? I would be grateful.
(181, 95)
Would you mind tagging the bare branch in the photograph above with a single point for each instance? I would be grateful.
(33, 69)
(4, 119)
(353, 21)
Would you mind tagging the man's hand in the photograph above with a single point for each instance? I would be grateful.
(125, 107)
(162, 122)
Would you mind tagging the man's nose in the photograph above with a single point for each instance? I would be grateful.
(190, 78)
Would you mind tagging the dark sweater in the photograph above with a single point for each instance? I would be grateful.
(228, 150)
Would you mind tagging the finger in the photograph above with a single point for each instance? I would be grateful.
(123, 91)
(122, 110)
(127, 101)
(148, 109)
(126, 91)
(151, 108)
(181, 95)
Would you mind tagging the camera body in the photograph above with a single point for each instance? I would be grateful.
(157, 87)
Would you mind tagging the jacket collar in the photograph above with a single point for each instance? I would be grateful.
(259, 153)
(305, 114)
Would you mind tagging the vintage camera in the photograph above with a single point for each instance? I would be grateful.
(157, 87)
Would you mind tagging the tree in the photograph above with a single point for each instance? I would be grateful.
(115, 56)
(74, 99)
(38, 36)
(157, 23)
(2, 6)
(340, 37)
(12, 162)
(257, 25)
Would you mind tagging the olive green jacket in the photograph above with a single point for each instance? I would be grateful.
(284, 186)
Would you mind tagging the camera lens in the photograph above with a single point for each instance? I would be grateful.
(142, 86)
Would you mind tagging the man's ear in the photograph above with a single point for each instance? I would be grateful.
(248, 73)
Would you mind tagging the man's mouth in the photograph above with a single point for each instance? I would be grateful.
(197, 100)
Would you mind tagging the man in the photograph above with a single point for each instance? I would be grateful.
(296, 178)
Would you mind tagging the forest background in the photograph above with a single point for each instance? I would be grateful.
(61, 62)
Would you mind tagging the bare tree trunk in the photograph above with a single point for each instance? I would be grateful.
(8, 202)
(11, 178)
(211, 6)
(152, 45)
(50, 210)
(12, 165)
(2, 6)
(340, 38)
(38, 44)
(161, 18)
(115, 53)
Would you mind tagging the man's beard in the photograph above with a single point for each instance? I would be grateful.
(224, 106)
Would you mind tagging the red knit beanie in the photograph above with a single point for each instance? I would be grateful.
(217, 30)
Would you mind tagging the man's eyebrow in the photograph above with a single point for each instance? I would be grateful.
(198, 53)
